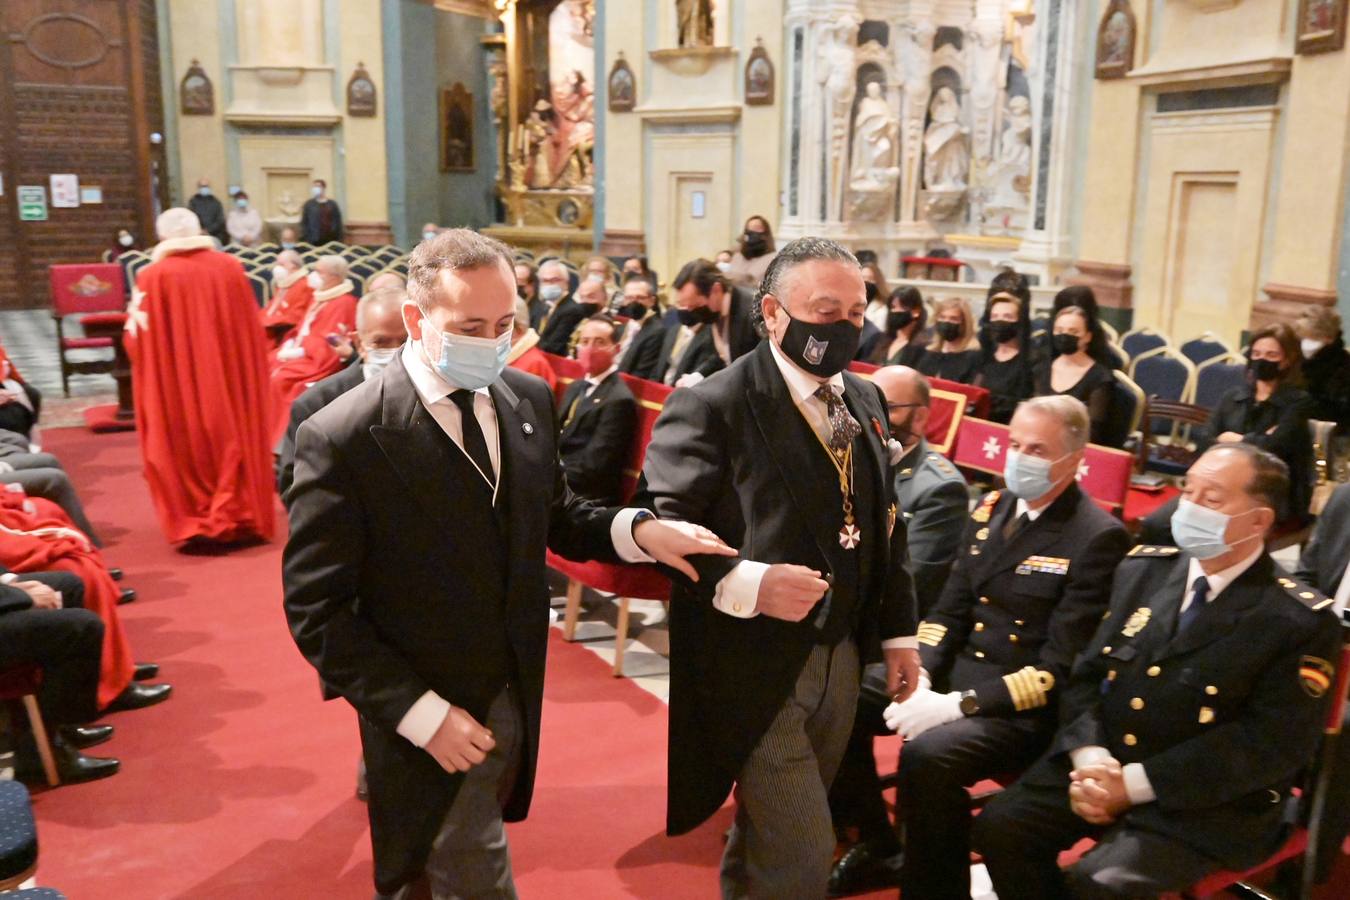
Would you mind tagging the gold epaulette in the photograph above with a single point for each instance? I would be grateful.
(1153, 551)
(931, 633)
(1029, 687)
(1308, 596)
(985, 508)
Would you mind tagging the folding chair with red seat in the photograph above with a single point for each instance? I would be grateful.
(94, 294)
(626, 582)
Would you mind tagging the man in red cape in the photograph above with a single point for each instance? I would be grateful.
(308, 354)
(290, 280)
(199, 367)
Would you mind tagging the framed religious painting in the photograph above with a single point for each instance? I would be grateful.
(1115, 40)
(622, 86)
(759, 76)
(456, 124)
(361, 98)
(1321, 26)
(196, 93)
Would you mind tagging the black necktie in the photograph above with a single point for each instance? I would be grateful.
(1015, 526)
(1199, 591)
(474, 445)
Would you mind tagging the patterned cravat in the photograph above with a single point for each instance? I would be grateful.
(842, 427)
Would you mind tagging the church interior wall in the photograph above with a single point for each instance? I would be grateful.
(465, 198)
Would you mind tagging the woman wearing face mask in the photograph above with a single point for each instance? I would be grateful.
(244, 223)
(1005, 369)
(600, 270)
(906, 337)
(1326, 365)
(123, 242)
(1269, 412)
(878, 302)
(757, 250)
(1081, 296)
(954, 353)
(1074, 372)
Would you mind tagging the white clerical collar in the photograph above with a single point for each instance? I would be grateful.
(430, 385)
(802, 385)
(1222, 579)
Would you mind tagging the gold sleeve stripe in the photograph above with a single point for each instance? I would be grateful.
(1029, 688)
(931, 633)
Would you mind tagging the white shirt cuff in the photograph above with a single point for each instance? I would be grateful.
(420, 723)
(1137, 786)
(737, 593)
(621, 534)
(901, 643)
(9, 578)
(1090, 755)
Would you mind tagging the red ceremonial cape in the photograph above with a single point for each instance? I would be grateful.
(289, 306)
(46, 542)
(199, 367)
(290, 377)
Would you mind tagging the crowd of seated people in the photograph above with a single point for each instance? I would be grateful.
(59, 603)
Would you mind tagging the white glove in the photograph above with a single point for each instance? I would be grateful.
(925, 709)
(689, 379)
(6, 467)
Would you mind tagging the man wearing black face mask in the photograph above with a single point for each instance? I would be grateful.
(749, 264)
(715, 325)
(645, 333)
(786, 456)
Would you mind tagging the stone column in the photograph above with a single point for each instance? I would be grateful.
(914, 51)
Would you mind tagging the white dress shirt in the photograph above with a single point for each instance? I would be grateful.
(737, 594)
(420, 723)
(1137, 786)
(594, 381)
(1342, 598)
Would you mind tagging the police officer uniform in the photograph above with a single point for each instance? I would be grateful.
(1023, 598)
(935, 503)
(1221, 710)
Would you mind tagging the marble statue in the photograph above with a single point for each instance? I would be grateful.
(946, 143)
(696, 22)
(1014, 153)
(875, 128)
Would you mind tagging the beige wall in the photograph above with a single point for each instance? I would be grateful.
(284, 77)
(193, 28)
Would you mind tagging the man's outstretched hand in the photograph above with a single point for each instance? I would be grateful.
(670, 542)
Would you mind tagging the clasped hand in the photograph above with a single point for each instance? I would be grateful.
(1097, 792)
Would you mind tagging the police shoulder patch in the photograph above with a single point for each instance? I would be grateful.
(1315, 674)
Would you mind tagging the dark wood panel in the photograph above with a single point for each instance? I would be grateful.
(79, 93)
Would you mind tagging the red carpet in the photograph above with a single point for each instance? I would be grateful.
(241, 785)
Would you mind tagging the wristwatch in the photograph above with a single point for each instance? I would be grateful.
(969, 705)
(642, 516)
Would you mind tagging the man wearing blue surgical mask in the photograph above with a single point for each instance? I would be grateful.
(321, 217)
(209, 211)
(1029, 586)
(415, 578)
(1189, 717)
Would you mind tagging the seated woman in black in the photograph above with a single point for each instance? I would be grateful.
(905, 335)
(1005, 368)
(954, 353)
(1081, 296)
(1271, 412)
(1074, 372)
(1326, 365)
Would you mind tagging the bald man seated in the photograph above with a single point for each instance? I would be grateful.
(379, 333)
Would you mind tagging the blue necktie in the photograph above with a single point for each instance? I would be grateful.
(1199, 591)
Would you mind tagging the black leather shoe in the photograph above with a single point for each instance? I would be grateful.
(139, 696)
(72, 765)
(145, 671)
(128, 595)
(862, 869)
(115, 574)
(82, 738)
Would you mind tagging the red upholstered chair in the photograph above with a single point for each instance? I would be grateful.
(626, 582)
(22, 683)
(567, 369)
(92, 293)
